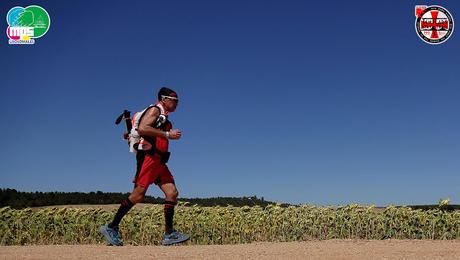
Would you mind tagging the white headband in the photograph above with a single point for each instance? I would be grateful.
(175, 98)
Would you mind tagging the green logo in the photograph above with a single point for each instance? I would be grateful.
(27, 24)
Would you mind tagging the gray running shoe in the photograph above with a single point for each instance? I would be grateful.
(174, 238)
(112, 235)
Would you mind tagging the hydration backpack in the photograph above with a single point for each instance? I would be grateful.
(135, 141)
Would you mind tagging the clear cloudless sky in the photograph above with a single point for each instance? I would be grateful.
(322, 102)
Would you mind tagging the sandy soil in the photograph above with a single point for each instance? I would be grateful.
(327, 249)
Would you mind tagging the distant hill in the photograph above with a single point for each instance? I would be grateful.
(18, 200)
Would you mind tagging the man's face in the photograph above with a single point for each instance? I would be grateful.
(170, 104)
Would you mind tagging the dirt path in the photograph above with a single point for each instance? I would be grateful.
(328, 249)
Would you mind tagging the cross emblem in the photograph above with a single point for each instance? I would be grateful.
(433, 24)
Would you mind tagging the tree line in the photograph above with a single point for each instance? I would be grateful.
(19, 200)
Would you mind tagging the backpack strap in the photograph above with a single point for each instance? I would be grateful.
(162, 118)
(136, 125)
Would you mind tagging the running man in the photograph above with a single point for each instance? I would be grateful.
(153, 130)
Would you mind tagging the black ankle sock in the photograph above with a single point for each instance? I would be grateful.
(125, 206)
(169, 216)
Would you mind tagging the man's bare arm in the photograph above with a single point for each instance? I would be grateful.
(146, 126)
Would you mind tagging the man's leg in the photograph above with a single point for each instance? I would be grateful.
(142, 181)
(136, 196)
(111, 231)
(171, 194)
(171, 236)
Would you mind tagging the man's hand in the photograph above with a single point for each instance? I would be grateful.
(175, 134)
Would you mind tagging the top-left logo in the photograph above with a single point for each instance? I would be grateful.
(26, 24)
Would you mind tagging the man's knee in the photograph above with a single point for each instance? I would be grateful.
(176, 194)
(172, 194)
(137, 195)
(136, 198)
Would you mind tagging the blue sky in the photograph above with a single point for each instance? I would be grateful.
(323, 102)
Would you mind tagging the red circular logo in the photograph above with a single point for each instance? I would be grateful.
(434, 24)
